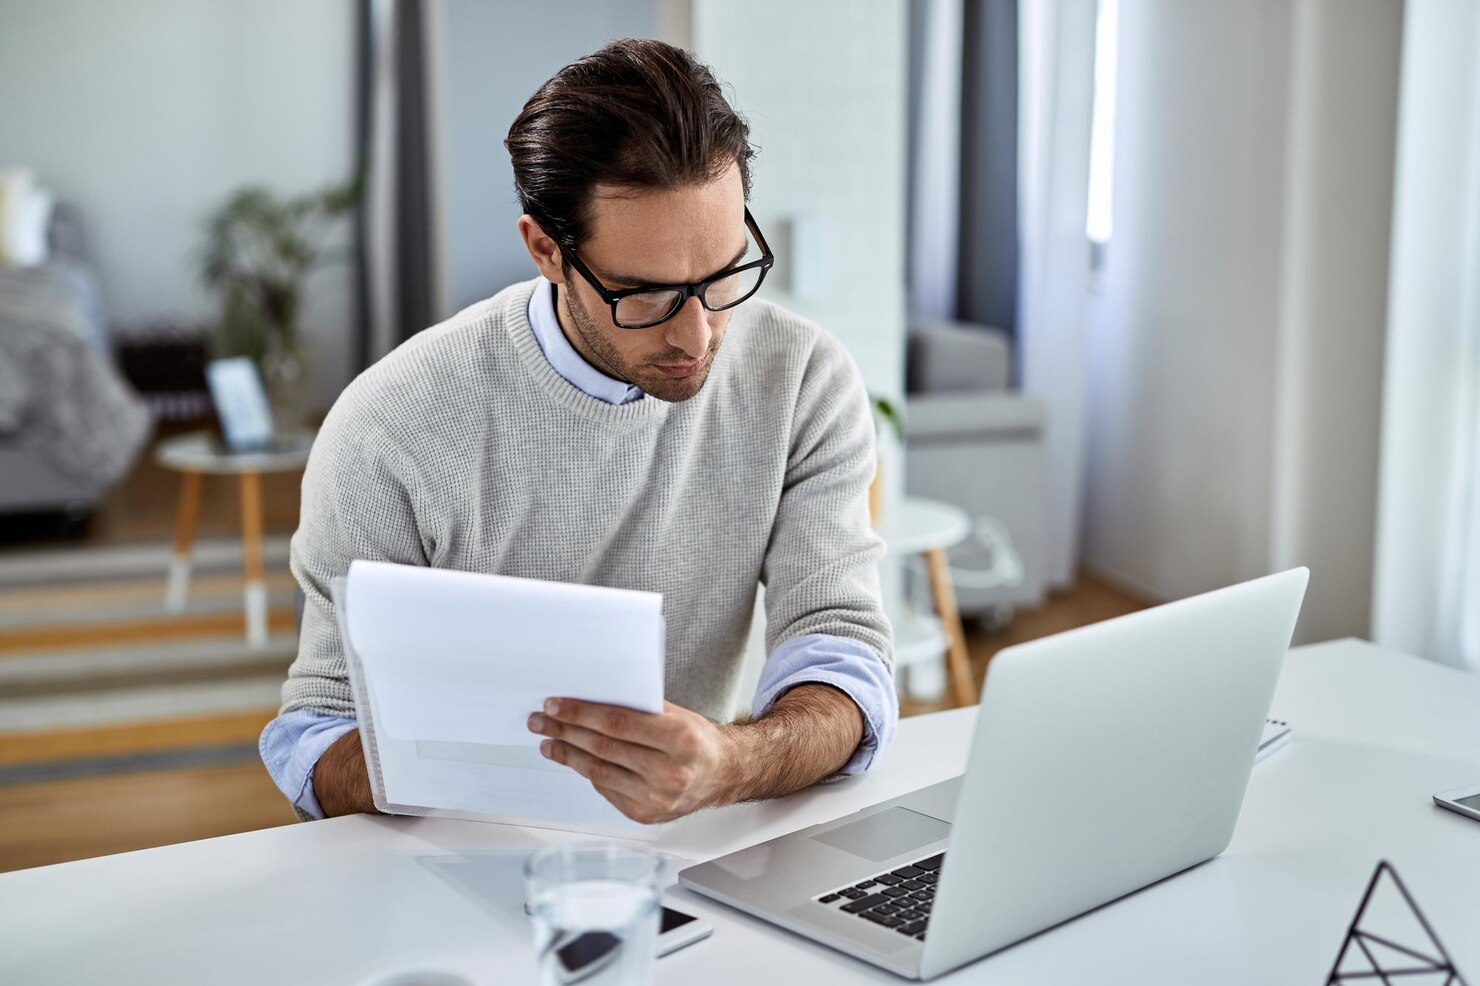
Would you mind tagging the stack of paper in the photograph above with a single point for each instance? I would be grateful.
(447, 666)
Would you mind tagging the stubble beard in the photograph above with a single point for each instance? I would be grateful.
(672, 389)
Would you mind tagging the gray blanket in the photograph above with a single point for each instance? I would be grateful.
(59, 392)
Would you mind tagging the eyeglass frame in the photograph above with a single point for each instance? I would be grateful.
(686, 291)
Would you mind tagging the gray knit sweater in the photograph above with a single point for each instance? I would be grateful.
(464, 449)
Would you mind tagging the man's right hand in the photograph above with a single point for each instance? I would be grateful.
(341, 780)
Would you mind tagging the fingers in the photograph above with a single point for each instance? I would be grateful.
(642, 760)
(641, 728)
(635, 810)
(652, 767)
(625, 790)
(603, 774)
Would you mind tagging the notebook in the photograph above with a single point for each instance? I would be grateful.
(445, 667)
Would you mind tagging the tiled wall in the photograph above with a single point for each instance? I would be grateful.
(823, 86)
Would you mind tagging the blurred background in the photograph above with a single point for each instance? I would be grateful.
(1153, 296)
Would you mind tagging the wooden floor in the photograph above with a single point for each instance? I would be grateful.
(57, 821)
(77, 819)
(141, 507)
(60, 820)
(1089, 601)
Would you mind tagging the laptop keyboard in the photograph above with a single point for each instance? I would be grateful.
(900, 899)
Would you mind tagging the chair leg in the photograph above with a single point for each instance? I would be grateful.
(958, 661)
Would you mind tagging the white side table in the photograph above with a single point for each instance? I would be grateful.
(928, 528)
(198, 453)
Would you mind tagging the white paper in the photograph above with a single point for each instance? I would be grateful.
(446, 667)
(464, 658)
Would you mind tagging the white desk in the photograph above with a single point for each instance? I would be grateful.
(335, 902)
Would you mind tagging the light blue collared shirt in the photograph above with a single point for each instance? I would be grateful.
(563, 356)
(293, 742)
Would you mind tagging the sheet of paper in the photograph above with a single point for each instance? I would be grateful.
(547, 794)
(464, 658)
(429, 634)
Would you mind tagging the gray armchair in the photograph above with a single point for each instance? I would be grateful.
(972, 442)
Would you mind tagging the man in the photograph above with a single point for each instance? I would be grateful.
(632, 418)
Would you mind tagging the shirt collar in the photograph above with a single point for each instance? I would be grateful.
(563, 357)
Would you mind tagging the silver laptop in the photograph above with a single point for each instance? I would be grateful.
(1104, 759)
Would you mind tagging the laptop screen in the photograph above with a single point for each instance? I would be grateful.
(241, 403)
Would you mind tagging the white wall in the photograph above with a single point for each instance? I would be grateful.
(147, 114)
(1236, 347)
(823, 86)
(1338, 217)
(490, 58)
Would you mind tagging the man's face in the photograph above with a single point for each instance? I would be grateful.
(656, 237)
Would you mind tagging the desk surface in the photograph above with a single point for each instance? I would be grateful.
(344, 900)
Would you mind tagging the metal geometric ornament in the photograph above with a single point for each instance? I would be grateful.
(1377, 950)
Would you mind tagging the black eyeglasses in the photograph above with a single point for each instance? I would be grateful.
(652, 304)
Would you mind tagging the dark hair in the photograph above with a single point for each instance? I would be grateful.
(637, 114)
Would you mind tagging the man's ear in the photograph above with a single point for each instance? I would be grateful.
(544, 251)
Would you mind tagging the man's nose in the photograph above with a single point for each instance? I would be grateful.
(689, 329)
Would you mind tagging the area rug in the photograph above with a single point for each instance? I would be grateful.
(95, 677)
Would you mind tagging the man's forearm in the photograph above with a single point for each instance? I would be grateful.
(809, 734)
(341, 781)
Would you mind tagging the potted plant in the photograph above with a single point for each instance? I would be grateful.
(258, 253)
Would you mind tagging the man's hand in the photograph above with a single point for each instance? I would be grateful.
(652, 767)
(657, 767)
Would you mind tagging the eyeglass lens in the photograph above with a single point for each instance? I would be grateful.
(653, 306)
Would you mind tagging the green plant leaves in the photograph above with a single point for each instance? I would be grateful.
(259, 249)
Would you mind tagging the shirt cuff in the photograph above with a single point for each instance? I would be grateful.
(291, 746)
(847, 665)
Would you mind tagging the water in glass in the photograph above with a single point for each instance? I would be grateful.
(595, 917)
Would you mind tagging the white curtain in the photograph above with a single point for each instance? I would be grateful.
(1426, 585)
(1056, 58)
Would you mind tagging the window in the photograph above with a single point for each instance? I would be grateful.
(1100, 215)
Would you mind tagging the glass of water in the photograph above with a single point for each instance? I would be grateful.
(595, 911)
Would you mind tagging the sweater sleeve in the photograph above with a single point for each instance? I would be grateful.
(358, 496)
(821, 563)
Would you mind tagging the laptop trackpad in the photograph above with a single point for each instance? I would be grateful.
(885, 834)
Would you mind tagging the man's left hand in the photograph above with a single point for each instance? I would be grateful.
(652, 767)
